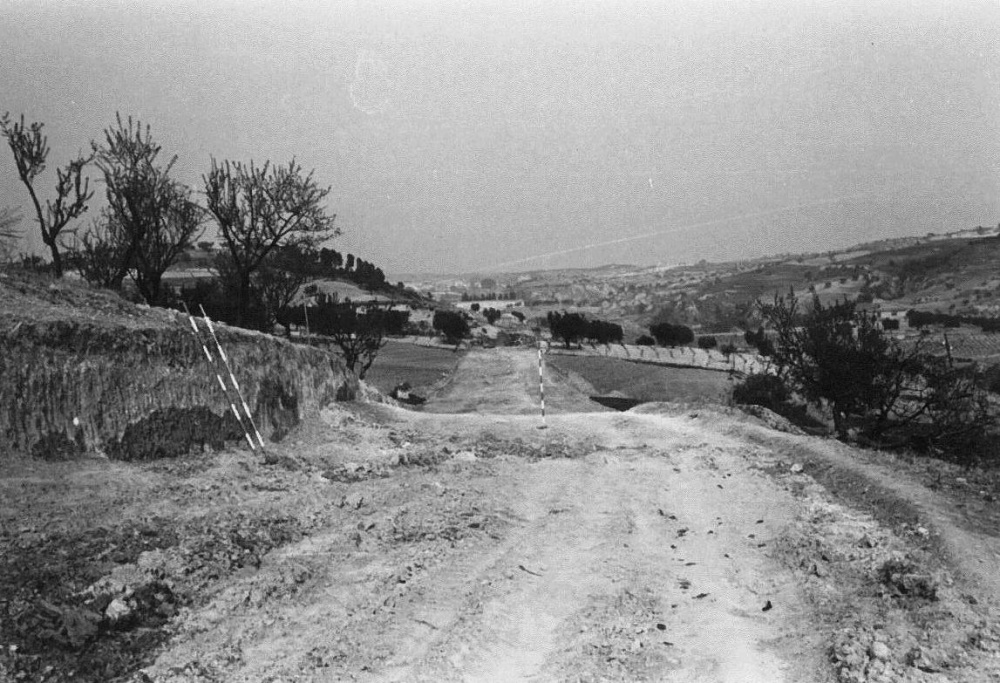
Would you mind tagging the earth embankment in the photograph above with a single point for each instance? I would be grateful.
(134, 383)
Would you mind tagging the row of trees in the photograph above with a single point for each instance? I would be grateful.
(923, 318)
(490, 296)
(263, 213)
(572, 328)
(331, 263)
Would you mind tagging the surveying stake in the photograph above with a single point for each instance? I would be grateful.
(305, 313)
(218, 376)
(543, 348)
(232, 377)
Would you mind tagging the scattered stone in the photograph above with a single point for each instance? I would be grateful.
(903, 578)
(117, 609)
(880, 650)
(281, 460)
(796, 468)
(354, 501)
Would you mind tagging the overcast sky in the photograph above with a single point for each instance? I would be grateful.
(465, 136)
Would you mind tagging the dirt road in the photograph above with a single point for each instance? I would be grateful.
(466, 544)
(640, 555)
(504, 381)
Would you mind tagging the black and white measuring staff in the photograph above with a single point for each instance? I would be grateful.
(542, 348)
(232, 377)
(218, 376)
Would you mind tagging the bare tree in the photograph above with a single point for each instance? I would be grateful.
(276, 282)
(9, 234)
(259, 209)
(151, 219)
(98, 256)
(31, 149)
(178, 228)
(359, 336)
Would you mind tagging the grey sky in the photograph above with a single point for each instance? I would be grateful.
(473, 135)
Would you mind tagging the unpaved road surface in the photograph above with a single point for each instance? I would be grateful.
(464, 543)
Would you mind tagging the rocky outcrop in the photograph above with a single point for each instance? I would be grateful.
(139, 389)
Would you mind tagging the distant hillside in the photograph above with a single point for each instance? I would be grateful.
(949, 273)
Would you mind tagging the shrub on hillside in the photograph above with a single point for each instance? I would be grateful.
(452, 325)
(759, 341)
(762, 389)
(568, 327)
(604, 332)
(667, 334)
(708, 342)
(839, 357)
(645, 340)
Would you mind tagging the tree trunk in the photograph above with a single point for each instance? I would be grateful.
(57, 265)
(839, 422)
(244, 299)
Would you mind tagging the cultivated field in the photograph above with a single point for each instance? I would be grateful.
(645, 381)
(422, 366)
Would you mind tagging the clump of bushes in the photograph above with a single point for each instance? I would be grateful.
(451, 324)
(762, 389)
(573, 327)
(840, 359)
(668, 334)
(771, 392)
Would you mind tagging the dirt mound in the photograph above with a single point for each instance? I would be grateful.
(27, 296)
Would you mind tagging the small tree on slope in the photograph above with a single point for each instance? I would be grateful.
(31, 150)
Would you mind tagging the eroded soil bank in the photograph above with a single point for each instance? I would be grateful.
(101, 375)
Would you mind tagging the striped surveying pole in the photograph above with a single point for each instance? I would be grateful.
(232, 377)
(541, 377)
(218, 376)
